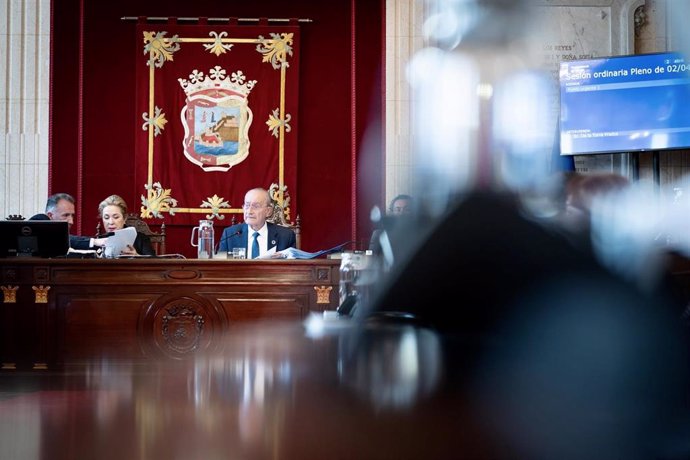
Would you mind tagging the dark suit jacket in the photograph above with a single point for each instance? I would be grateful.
(237, 236)
(80, 242)
(142, 244)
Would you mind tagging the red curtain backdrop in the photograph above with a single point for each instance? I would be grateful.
(96, 122)
(218, 107)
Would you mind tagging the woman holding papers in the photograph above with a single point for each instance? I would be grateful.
(112, 212)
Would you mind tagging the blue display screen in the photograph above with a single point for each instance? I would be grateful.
(625, 104)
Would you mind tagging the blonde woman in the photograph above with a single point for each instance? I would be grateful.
(113, 212)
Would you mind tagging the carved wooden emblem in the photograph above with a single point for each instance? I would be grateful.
(41, 275)
(41, 293)
(9, 294)
(322, 274)
(182, 327)
(323, 294)
(9, 275)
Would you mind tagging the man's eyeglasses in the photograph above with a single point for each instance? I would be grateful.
(254, 206)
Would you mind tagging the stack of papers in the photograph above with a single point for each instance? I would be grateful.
(119, 241)
(294, 253)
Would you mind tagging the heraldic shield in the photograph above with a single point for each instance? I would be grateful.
(216, 120)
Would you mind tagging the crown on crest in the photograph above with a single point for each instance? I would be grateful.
(217, 79)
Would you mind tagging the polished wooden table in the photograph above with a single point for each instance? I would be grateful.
(336, 389)
(271, 391)
(59, 311)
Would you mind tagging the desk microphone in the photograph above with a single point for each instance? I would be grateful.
(237, 233)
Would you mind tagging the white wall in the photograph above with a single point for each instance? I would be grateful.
(24, 99)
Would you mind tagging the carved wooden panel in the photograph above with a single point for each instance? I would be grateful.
(9, 274)
(41, 275)
(101, 323)
(148, 308)
(247, 306)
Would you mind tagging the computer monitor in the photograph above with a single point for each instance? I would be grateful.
(625, 104)
(33, 238)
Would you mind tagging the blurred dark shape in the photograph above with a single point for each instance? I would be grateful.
(40, 216)
(401, 205)
(566, 359)
(586, 367)
(480, 257)
(583, 190)
(394, 235)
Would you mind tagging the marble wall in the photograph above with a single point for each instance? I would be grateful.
(404, 37)
(24, 105)
(572, 29)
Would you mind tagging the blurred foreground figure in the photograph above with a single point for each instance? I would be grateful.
(560, 357)
(565, 359)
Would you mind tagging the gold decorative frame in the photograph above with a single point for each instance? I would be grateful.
(160, 49)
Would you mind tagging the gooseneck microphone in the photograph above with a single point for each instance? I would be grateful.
(237, 233)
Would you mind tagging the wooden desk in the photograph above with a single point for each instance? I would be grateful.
(59, 311)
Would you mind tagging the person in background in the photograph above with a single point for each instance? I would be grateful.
(255, 234)
(582, 190)
(401, 204)
(60, 207)
(112, 212)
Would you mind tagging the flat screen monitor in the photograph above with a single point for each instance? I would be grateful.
(33, 238)
(625, 104)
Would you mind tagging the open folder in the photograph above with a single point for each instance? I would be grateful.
(294, 253)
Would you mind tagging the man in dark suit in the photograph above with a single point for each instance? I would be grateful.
(255, 234)
(401, 206)
(60, 206)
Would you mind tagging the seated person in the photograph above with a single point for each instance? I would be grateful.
(585, 190)
(112, 212)
(401, 205)
(60, 207)
(255, 234)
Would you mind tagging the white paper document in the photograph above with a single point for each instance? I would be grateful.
(268, 254)
(119, 241)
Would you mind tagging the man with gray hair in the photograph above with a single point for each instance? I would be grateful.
(256, 234)
(60, 207)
